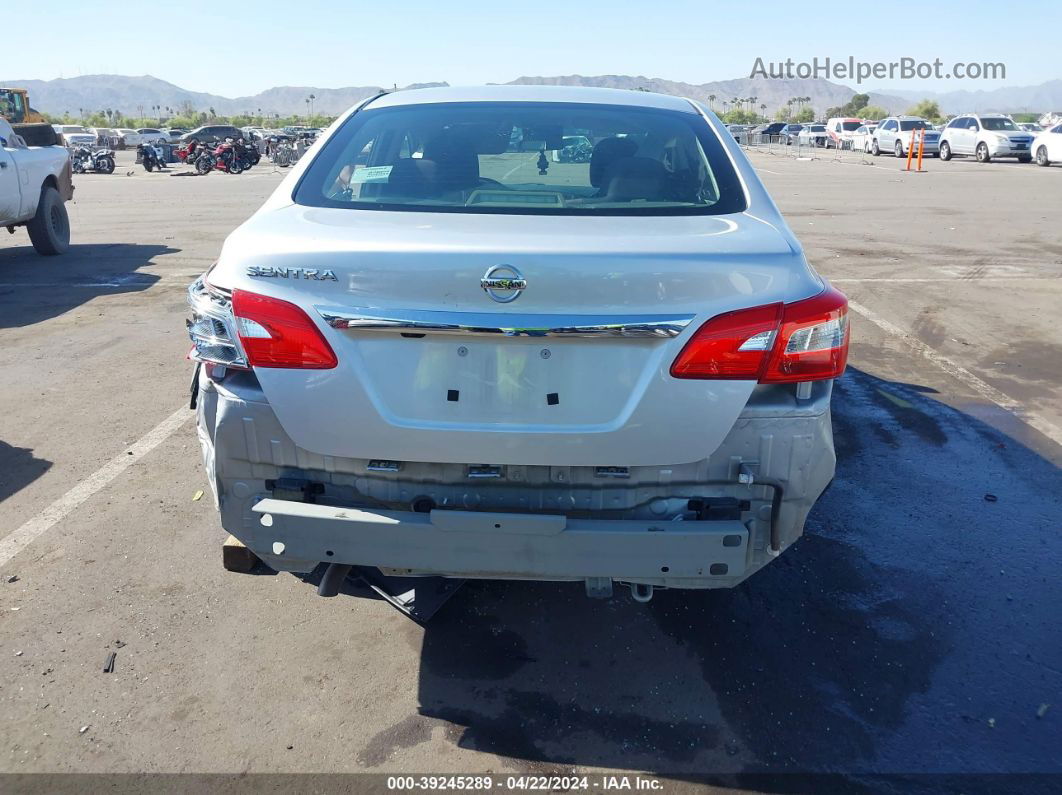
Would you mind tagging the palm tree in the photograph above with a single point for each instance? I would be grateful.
(711, 101)
(763, 111)
(311, 98)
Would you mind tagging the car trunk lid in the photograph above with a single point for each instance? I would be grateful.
(563, 361)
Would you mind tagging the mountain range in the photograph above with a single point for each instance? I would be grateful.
(140, 95)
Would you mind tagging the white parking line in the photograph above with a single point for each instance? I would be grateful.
(903, 280)
(14, 543)
(508, 173)
(985, 390)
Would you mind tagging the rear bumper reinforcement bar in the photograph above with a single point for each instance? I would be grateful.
(503, 545)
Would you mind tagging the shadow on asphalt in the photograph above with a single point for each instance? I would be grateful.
(35, 288)
(910, 630)
(18, 468)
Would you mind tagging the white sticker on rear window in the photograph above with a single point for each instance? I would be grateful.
(371, 174)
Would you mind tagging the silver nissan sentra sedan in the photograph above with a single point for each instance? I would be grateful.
(441, 349)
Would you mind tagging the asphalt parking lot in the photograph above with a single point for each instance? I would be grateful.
(913, 629)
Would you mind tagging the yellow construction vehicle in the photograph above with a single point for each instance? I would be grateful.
(15, 107)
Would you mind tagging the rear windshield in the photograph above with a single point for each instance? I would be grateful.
(524, 158)
(916, 124)
(850, 126)
(998, 124)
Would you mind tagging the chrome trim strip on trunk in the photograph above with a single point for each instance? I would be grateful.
(417, 321)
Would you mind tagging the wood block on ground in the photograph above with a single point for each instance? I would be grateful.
(236, 557)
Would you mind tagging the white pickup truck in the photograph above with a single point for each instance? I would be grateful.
(35, 181)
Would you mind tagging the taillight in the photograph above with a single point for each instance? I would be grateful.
(777, 343)
(277, 333)
(734, 345)
(211, 327)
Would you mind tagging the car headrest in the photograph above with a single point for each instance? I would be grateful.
(635, 178)
(606, 152)
(412, 177)
(456, 161)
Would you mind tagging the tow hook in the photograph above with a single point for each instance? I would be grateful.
(640, 592)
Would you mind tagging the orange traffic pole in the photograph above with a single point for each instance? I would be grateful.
(921, 146)
(910, 150)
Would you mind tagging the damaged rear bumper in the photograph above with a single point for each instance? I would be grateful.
(539, 523)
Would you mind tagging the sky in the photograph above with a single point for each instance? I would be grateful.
(332, 44)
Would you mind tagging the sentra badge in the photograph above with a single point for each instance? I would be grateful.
(292, 273)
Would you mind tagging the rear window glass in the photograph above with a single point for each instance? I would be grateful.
(850, 126)
(524, 158)
(914, 124)
(999, 124)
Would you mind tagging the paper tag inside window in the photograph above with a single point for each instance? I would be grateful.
(372, 174)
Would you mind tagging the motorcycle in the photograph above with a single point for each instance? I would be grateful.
(82, 159)
(227, 158)
(245, 153)
(204, 160)
(251, 153)
(188, 153)
(282, 153)
(150, 156)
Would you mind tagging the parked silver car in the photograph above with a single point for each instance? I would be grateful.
(894, 135)
(435, 352)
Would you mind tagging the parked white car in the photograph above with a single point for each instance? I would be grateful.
(861, 138)
(105, 136)
(985, 136)
(1047, 146)
(479, 362)
(35, 181)
(152, 135)
(130, 139)
(813, 135)
(75, 134)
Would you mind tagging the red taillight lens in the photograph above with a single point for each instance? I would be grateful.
(734, 345)
(813, 342)
(276, 333)
(777, 343)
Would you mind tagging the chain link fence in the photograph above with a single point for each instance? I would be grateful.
(807, 148)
